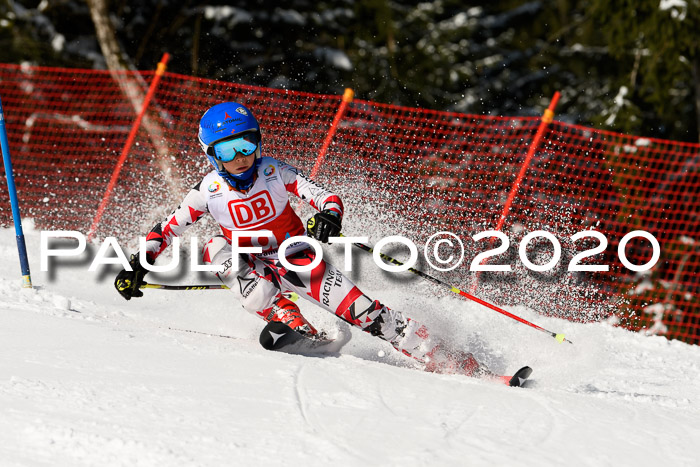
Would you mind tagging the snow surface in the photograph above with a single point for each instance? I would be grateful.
(87, 378)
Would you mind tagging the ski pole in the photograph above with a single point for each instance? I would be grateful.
(293, 296)
(146, 285)
(559, 337)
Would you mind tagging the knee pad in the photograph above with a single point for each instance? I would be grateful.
(255, 293)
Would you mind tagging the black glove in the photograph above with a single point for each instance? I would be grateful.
(128, 283)
(323, 225)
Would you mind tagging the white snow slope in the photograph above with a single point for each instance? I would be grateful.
(87, 378)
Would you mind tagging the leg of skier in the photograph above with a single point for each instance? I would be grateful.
(256, 294)
(258, 285)
(327, 287)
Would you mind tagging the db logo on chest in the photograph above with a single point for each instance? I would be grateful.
(249, 212)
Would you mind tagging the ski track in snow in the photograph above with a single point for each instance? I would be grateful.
(87, 378)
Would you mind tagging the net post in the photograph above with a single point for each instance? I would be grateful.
(12, 189)
(348, 95)
(544, 122)
(160, 70)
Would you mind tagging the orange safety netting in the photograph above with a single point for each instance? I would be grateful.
(402, 171)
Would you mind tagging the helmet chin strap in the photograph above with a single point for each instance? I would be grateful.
(244, 180)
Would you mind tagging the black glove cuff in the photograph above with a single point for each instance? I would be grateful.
(332, 213)
(135, 264)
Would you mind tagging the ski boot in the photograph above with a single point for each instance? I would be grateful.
(287, 312)
(443, 361)
(413, 339)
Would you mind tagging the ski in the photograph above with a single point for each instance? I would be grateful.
(518, 379)
(280, 337)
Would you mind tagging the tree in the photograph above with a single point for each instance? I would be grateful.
(630, 66)
(106, 35)
(131, 85)
(658, 42)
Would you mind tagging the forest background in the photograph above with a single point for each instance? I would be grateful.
(629, 66)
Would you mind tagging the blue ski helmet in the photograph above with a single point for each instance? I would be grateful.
(230, 121)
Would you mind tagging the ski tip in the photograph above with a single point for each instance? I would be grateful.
(276, 335)
(520, 376)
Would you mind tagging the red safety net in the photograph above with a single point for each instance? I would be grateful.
(402, 171)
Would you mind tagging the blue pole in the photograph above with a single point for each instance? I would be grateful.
(21, 246)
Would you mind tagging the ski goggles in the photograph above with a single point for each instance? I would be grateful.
(228, 150)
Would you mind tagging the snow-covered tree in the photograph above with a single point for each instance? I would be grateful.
(631, 66)
(659, 87)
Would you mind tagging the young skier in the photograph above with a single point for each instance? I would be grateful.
(248, 192)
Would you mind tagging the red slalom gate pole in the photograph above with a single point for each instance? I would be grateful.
(127, 146)
(347, 98)
(547, 118)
